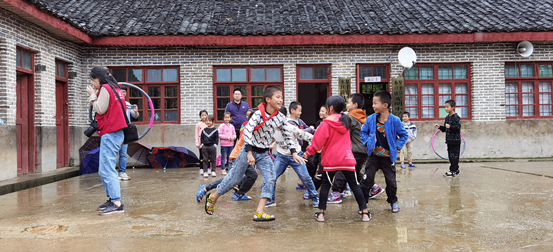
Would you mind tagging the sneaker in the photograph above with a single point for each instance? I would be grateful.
(402, 166)
(213, 174)
(208, 171)
(315, 202)
(206, 174)
(201, 172)
(112, 208)
(333, 200)
(123, 176)
(455, 174)
(374, 193)
(451, 174)
(347, 193)
(103, 206)
(224, 172)
(270, 203)
(412, 166)
(338, 195)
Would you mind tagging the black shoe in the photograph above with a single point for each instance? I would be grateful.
(103, 206)
(448, 174)
(455, 174)
(112, 208)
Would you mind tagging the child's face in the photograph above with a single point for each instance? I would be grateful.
(209, 123)
(405, 118)
(296, 113)
(378, 106)
(227, 118)
(275, 101)
(323, 113)
(203, 116)
(350, 105)
(448, 108)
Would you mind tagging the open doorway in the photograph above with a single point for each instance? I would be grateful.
(312, 96)
(372, 78)
(367, 90)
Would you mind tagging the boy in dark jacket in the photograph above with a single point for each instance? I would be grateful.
(452, 128)
(209, 139)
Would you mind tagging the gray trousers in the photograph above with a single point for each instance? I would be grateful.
(210, 156)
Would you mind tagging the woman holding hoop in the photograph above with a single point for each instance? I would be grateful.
(111, 121)
(452, 129)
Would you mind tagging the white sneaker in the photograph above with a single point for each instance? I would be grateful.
(347, 193)
(201, 172)
(213, 174)
(224, 172)
(123, 176)
(206, 174)
(208, 171)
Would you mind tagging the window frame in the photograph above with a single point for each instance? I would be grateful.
(382, 80)
(21, 68)
(536, 79)
(65, 69)
(144, 84)
(436, 88)
(328, 79)
(248, 83)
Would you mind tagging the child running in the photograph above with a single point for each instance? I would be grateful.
(284, 159)
(313, 164)
(295, 113)
(209, 139)
(197, 137)
(333, 140)
(258, 137)
(379, 135)
(227, 135)
(406, 150)
(452, 128)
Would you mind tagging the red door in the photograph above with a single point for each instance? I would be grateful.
(62, 124)
(22, 122)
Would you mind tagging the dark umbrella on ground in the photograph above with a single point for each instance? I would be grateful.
(190, 157)
(139, 151)
(92, 143)
(90, 163)
(164, 157)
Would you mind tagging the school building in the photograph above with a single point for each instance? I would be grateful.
(190, 55)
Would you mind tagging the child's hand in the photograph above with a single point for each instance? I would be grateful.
(305, 155)
(447, 126)
(437, 126)
(312, 127)
(251, 160)
(299, 159)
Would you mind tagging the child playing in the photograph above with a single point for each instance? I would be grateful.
(313, 165)
(227, 134)
(333, 140)
(197, 137)
(452, 128)
(412, 131)
(295, 113)
(258, 137)
(210, 139)
(379, 135)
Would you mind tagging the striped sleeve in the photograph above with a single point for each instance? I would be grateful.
(248, 130)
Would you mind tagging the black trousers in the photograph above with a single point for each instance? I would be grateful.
(210, 157)
(314, 167)
(245, 185)
(352, 181)
(374, 163)
(340, 180)
(201, 160)
(453, 151)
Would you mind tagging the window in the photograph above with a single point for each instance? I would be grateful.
(61, 70)
(24, 60)
(379, 80)
(251, 80)
(428, 86)
(528, 90)
(161, 84)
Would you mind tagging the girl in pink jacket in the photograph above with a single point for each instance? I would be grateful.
(227, 134)
(333, 140)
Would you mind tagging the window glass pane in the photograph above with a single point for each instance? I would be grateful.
(462, 100)
(379, 71)
(137, 102)
(154, 91)
(463, 111)
(222, 103)
(61, 70)
(527, 87)
(445, 72)
(306, 73)
(443, 98)
(413, 111)
(545, 86)
(171, 116)
(511, 71)
(157, 103)
(527, 98)
(428, 100)
(27, 60)
(239, 74)
(256, 102)
(171, 91)
(18, 58)
(57, 69)
(273, 74)
(445, 88)
(154, 75)
(320, 73)
(461, 88)
(135, 93)
(223, 91)
(412, 74)
(427, 73)
(220, 115)
(411, 100)
(257, 90)
(170, 75)
(545, 110)
(157, 115)
(528, 110)
(411, 89)
(427, 112)
(135, 75)
(427, 88)
(545, 71)
(460, 72)
(171, 104)
(119, 75)
(511, 99)
(545, 98)
(223, 74)
(511, 87)
(244, 90)
(511, 110)
(258, 74)
(526, 70)
(364, 72)
(443, 114)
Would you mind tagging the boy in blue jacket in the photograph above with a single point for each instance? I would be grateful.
(379, 135)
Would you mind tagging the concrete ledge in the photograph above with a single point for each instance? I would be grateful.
(27, 181)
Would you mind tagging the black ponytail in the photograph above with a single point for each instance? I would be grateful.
(105, 77)
(339, 104)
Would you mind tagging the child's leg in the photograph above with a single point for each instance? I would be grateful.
(370, 170)
(402, 154)
(205, 156)
(351, 177)
(325, 188)
(214, 184)
(213, 157)
(453, 151)
(235, 174)
(265, 165)
(340, 182)
(248, 181)
(280, 164)
(301, 170)
(389, 171)
(409, 153)
(201, 159)
(223, 157)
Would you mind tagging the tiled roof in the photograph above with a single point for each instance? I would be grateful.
(292, 17)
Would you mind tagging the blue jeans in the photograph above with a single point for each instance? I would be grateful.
(264, 164)
(123, 158)
(109, 148)
(282, 161)
(225, 155)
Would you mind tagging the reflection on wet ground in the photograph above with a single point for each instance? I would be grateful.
(490, 207)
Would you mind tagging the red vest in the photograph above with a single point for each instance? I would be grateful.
(114, 119)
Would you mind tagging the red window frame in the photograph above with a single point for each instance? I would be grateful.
(21, 68)
(435, 81)
(358, 80)
(144, 110)
(327, 80)
(249, 84)
(64, 65)
(535, 91)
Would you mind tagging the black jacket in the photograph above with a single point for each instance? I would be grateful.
(453, 134)
(210, 136)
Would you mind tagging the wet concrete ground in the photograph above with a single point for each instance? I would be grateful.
(490, 207)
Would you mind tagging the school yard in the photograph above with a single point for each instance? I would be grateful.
(490, 207)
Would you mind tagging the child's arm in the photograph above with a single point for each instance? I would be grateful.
(455, 125)
(202, 138)
(402, 133)
(233, 133)
(318, 141)
(300, 134)
(222, 136)
(288, 137)
(197, 138)
(248, 129)
(414, 132)
(306, 128)
(216, 137)
(367, 137)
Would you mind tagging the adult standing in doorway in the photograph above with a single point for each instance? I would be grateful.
(238, 109)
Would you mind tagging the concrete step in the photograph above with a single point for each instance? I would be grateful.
(27, 181)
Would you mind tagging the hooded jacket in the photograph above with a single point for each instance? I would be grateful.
(358, 118)
(334, 140)
(393, 127)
